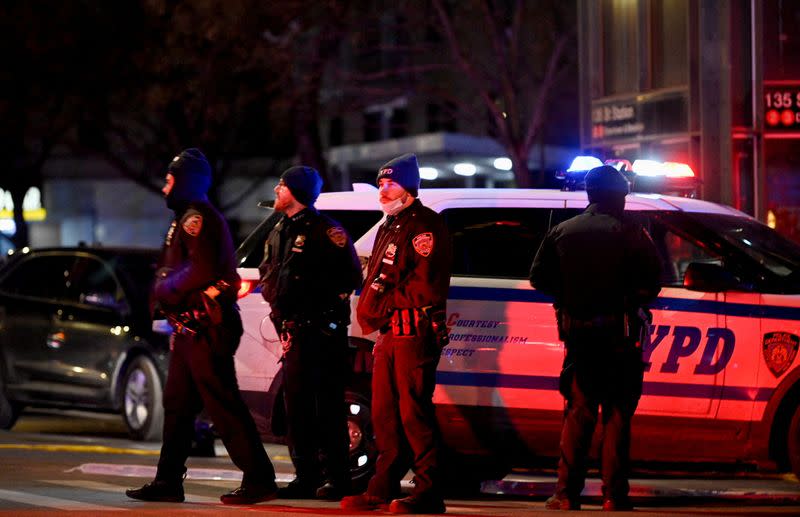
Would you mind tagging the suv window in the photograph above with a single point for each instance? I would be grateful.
(40, 276)
(499, 242)
(91, 282)
(678, 250)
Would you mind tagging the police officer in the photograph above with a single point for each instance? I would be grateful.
(601, 269)
(309, 270)
(404, 296)
(196, 289)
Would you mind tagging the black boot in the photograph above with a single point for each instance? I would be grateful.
(298, 489)
(158, 490)
(250, 494)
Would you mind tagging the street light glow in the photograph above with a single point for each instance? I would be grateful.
(428, 173)
(465, 169)
(503, 164)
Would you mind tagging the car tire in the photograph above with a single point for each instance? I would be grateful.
(363, 450)
(142, 407)
(9, 411)
(793, 441)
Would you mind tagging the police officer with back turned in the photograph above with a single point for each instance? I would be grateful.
(602, 269)
(404, 297)
(195, 289)
(309, 270)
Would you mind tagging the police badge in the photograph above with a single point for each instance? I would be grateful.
(391, 251)
(299, 242)
(780, 349)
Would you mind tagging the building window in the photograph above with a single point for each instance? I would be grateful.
(398, 123)
(373, 126)
(441, 118)
(669, 50)
(620, 46)
(336, 132)
(782, 40)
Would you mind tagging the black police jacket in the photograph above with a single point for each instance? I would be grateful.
(309, 262)
(197, 253)
(596, 264)
(409, 266)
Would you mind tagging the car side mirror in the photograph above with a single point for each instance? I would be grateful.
(707, 277)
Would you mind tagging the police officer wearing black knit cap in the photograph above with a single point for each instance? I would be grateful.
(404, 297)
(602, 270)
(309, 271)
(196, 289)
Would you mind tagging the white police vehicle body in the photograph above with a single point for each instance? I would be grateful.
(723, 377)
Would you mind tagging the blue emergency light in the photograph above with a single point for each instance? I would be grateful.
(652, 176)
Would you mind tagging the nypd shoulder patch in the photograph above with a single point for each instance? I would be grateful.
(423, 243)
(193, 224)
(337, 236)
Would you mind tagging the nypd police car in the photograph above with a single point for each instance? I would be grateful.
(722, 381)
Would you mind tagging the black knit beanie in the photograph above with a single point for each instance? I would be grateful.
(304, 183)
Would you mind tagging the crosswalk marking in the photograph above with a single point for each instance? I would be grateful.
(54, 502)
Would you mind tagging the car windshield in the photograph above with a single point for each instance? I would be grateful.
(760, 242)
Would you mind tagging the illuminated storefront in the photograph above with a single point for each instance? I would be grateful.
(712, 83)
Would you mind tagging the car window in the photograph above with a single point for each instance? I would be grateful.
(679, 249)
(499, 242)
(91, 282)
(40, 276)
(356, 222)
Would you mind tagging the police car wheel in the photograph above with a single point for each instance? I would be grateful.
(142, 409)
(793, 444)
(9, 412)
(363, 451)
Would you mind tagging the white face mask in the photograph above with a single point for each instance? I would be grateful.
(393, 207)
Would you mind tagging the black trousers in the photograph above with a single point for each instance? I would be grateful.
(597, 376)
(315, 373)
(403, 415)
(201, 374)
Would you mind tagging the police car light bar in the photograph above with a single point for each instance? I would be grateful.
(651, 176)
(665, 169)
(584, 164)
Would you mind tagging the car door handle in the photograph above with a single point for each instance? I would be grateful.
(56, 339)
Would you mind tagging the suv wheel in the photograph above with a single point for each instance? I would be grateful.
(142, 407)
(9, 412)
(363, 451)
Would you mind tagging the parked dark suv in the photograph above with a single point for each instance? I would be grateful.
(75, 332)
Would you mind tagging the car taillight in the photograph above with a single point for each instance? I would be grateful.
(246, 288)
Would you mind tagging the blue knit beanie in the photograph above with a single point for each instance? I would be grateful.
(404, 171)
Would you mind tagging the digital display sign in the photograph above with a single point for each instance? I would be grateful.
(782, 108)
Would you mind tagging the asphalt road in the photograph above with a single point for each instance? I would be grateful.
(53, 463)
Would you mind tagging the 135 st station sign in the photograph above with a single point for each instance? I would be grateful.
(782, 107)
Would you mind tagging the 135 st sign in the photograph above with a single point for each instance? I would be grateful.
(782, 107)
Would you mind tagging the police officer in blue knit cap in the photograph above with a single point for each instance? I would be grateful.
(404, 298)
(309, 270)
(195, 289)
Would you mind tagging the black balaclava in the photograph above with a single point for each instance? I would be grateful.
(192, 174)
